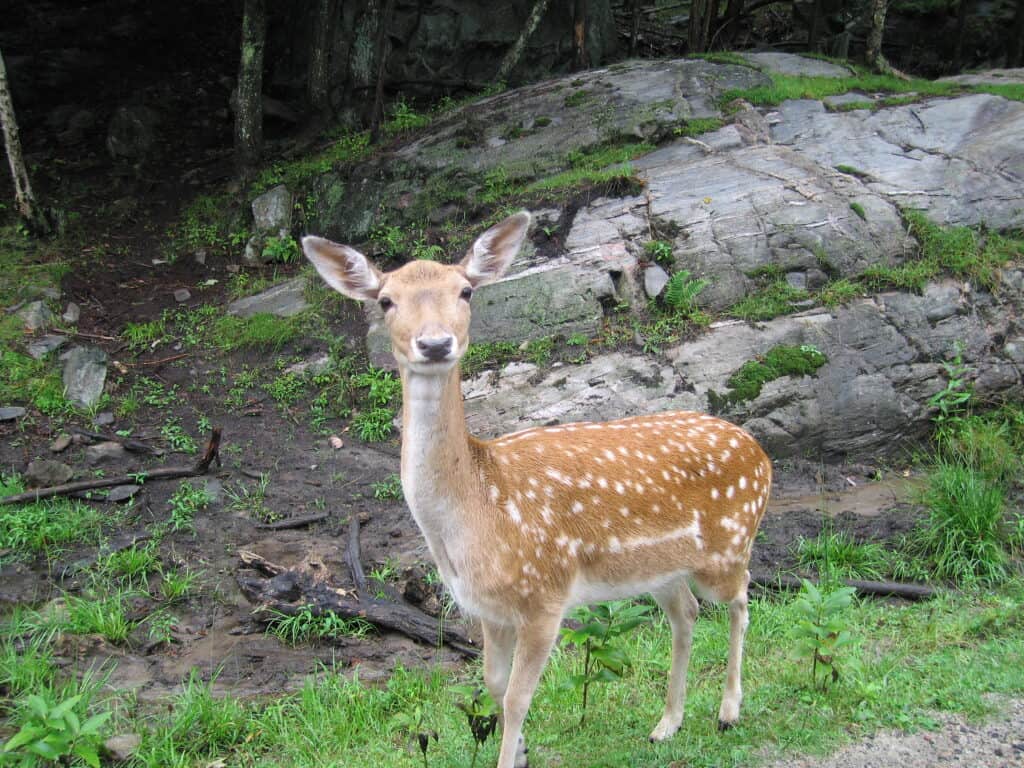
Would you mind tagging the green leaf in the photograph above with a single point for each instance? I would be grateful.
(24, 736)
(65, 706)
(88, 753)
(46, 749)
(38, 705)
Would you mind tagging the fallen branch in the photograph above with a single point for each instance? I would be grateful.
(877, 588)
(211, 454)
(292, 522)
(355, 568)
(135, 446)
(278, 590)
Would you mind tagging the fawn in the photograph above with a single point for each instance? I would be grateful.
(528, 525)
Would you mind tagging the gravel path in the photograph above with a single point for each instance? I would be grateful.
(996, 743)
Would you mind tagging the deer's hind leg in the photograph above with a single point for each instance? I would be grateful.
(680, 606)
(730, 587)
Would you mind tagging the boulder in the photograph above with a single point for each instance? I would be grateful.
(44, 473)
(272, 211)
(36, 316)
(284, 300)
(11, 412)
(104, 453)
(85, 372)
(132, 132)
(42, 347)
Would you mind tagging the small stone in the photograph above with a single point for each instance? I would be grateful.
(655, 280)
(85, 372)
(123, 492)
(36, 316)
(200, 256)
(43, 473)
(104, 419)
(72, 313)
(122, 747)
(214, 489)
(11, 412)
(44, 346)
(233, 268)
(797, 280)
(104, 452)
(182, 295)
(272, 210)
(336, 442)
(60, 444)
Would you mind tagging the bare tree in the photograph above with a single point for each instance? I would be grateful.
(383, 48)
(249, 105)
(320, 57)
(515, 53)
(876, 29)
(28, 208)
(579, 35)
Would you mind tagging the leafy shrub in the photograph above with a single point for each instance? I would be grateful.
(822, 629)
(681, 292)
(54, 731)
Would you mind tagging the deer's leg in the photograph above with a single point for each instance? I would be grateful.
(738, 618)
(533, 645)
(680, 606)
(499, 642)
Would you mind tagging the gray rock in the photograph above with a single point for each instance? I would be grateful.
(44, 473)
(36, 315)
(846, 99)
(122, 747)
(790, 64)
(181, 295)
(104, 453)
(655, 280)
(85, 372)
(132, 132)
(214, 489)
(797, 280)
(104, 419)
(284, 300)
(72, 313)
(44, 346)
(313, 366)
(122, 492)
(60, 444)
(272, 211)
(11, 412)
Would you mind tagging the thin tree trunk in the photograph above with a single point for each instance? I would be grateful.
(579, 35)
(320, 57)
(961, 31)
(733, 12)
(634, 32)
(25, 201)
(696, 40)
(383, 49)
(249, 106)
(710, 21)
(876, 29)
(515, 53)
(814, 28)
(1016, 55)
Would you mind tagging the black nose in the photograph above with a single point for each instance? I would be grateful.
(435, 349)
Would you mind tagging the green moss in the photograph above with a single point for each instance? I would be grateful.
(541, 122)
(859, 210)
(849, 170)
(488, 355)
(723, 57)
(345, 150)
(747, 382)
(785, 87)
(33, 382)
(577, 98)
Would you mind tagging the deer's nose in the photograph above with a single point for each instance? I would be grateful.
(436, 348)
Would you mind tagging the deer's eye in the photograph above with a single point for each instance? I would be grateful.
(467, 293)
(386, 303)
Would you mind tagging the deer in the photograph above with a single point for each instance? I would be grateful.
(528, 525)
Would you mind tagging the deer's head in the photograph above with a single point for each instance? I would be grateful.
(426, 305)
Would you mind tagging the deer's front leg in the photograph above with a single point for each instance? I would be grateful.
(534, 639)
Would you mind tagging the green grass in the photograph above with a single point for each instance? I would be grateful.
(698, 126)
(838, 554)
(346, 149)
(46, 527)
(33, 382)
(773, 300)
(260, 331)
(905, 663)
(786, 87)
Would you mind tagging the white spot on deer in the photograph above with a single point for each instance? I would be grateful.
(532, 481)
(546, 514)
(728, 523)
(614, 545)
(665, 475)
(691, 531)
(574, 546)
(554, 474)
(663, 448)
(549, 491)
(583, 482)
(725, 455)
(609, 454)
(561, 541)
(513, 512)
(734, 443)
(531, 495)
(577, 507)
(756, 484)
(603, 482)
(589, 549)
(743, 482)
(730, 492)
(492, 494)
(624, 511)
(714, 493)
(503, 459)
(623, 450)
(619, 487)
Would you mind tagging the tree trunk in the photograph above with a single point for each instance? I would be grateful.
(734, 11)
(876, 28)
(249, 106)
(1016, 55)
(961, 30)
(25, 201)
(515, 53)
(634, 32)
(710, 22)
(696, 39)
(383, 48)
(814, 28)
(579, 35)
(320, 58)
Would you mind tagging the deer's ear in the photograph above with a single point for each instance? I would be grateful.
(494, 250)
(345, 269)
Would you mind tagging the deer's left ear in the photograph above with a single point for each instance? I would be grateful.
(345, 269)
(494, 250)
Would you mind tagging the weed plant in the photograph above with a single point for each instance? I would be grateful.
(836, 554)
(306, 626)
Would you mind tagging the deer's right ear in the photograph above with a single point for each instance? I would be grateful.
(345, 269)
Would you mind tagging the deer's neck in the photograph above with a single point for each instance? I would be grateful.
(437, 472)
